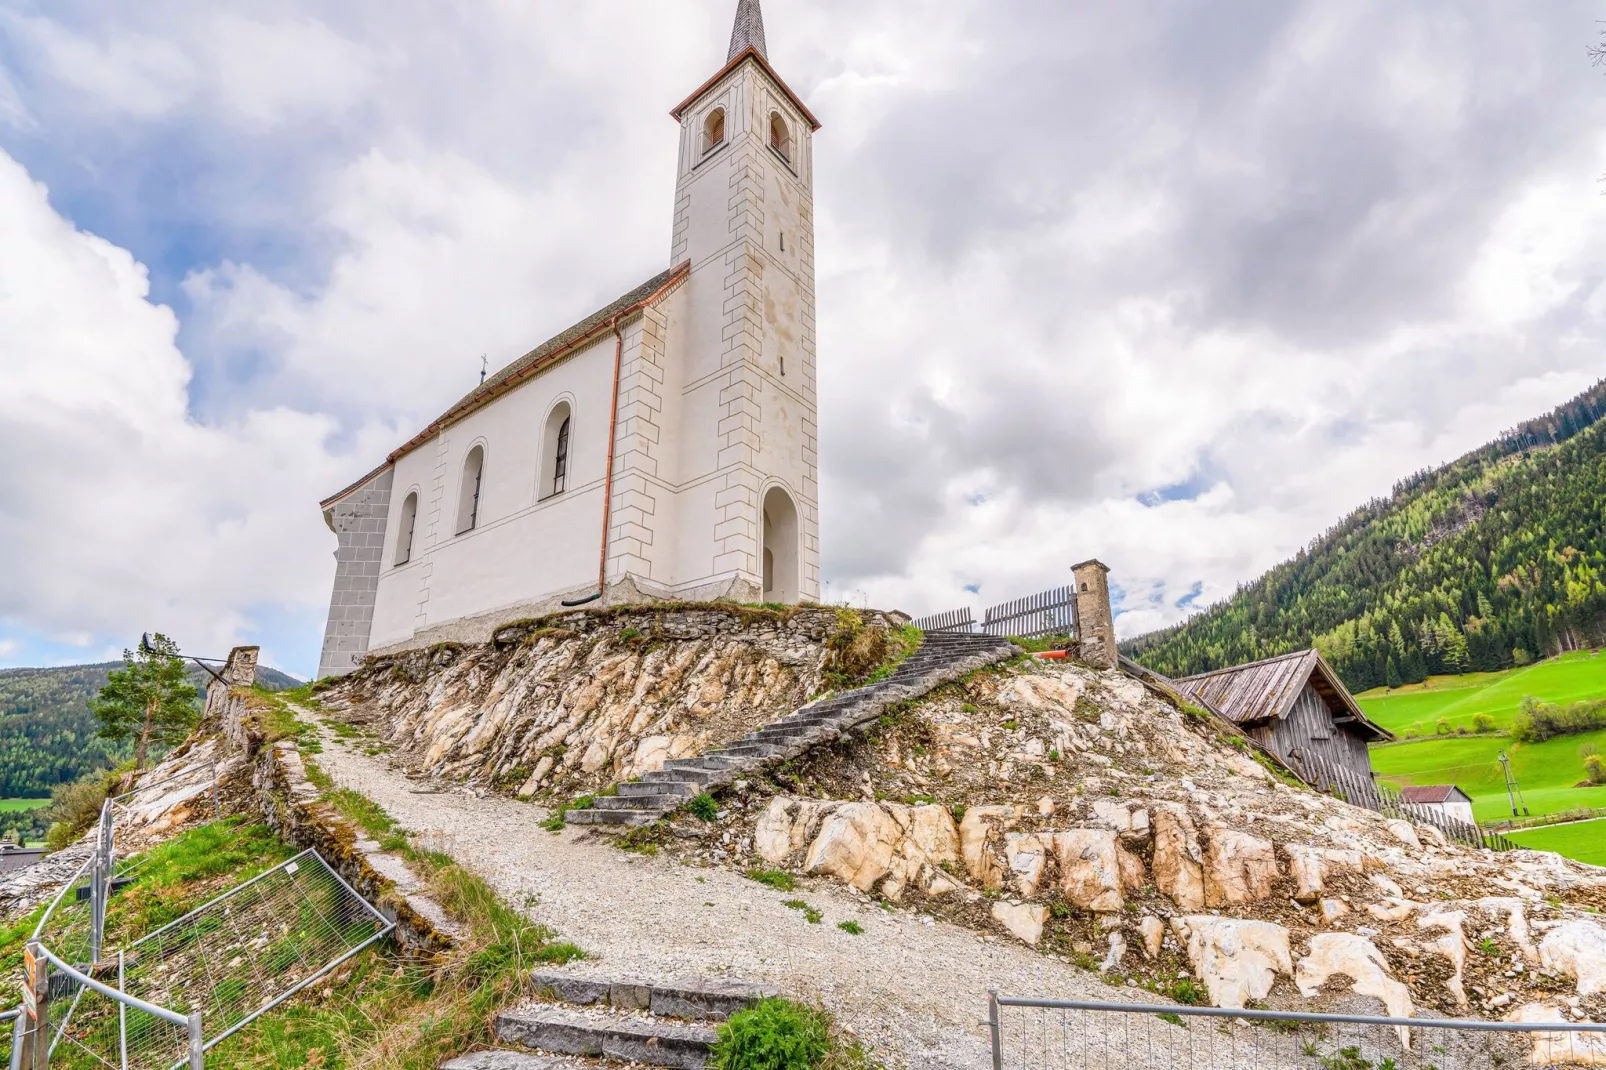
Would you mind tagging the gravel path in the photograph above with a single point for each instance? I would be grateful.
(914, 987)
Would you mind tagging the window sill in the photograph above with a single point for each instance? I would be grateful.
(711, 153)
(552, 497)
(781, 156)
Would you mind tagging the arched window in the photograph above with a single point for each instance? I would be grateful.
(468, 496)
(714, 130)
(404, 529)
(780, 556)
(555, 449)
(780, 136)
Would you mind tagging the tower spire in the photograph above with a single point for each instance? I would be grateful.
(748, 31)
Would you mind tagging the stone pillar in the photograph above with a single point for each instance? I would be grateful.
(239, 671)
(1095, 624)
(241, 668)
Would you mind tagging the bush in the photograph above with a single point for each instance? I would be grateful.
(773, 1034)
(703, 806)
(1482, 722)
(1595, 769)
(1442, 726)
(1539, 721)
(75, 806)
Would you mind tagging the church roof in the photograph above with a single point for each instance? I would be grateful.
(532, 363)
(748, 32)
(734, 62)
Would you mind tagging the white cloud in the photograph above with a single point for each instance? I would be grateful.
(123, 511)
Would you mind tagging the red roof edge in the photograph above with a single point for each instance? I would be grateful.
(758, 57)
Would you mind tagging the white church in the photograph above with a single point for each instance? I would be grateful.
(663, 447)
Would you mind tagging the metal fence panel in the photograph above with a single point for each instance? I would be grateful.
(1051, 612)
(1069, 1035)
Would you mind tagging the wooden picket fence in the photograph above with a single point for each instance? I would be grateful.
(1383, 798)
(1051, 612)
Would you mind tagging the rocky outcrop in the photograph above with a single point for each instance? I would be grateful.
(1236, 960)
(576, 701)
(1559, 1047)
(1089, 809)
(1357, 959)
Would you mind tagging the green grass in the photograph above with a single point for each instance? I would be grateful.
(1547, 772)
(1583, 840)
(11, 806)
(1569, 678)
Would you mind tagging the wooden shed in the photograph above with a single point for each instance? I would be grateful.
(1296, 706)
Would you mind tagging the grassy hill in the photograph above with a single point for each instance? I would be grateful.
(1548, 772)
(47, 734)
(1492, 561)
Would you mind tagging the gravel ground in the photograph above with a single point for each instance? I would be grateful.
(913, 987)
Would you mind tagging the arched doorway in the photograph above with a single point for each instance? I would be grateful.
(780, 547)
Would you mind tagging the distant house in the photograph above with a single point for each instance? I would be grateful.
(1447, 799)
(14, 857)
(1297, 708)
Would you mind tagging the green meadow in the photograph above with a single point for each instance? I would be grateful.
(10, 806)
(1548, 773)
(1583, 840)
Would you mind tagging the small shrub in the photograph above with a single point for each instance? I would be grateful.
(968, 707)
(773, 1034)
(852, 928)
(958, 810)
(1595, 769)
(778, 879)
(630, 633)
(1442, 726)
(809, 912)
(1482, 722)
(703, 806)
(1489, 947)
(558, 954)
(1186, 990)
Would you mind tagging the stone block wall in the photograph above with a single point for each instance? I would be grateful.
(358, 521)
(1094, 620)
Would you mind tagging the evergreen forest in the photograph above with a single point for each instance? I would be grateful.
(1490, 561)
(48, 735)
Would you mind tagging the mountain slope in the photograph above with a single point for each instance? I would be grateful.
(1492, 560)
(47, 734)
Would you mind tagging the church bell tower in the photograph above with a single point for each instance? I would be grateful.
(744, 221)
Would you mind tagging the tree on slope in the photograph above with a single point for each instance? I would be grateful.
(149, 700)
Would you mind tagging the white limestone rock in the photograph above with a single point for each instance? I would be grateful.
(983, 826)
(1402, 831)
(1577, 950)
(1559, 1048)
(1357, 958)
(1238, 867)
(1452, 945)
(1178, 862)
(1023, 920)
(1237, 960)
(1310, 867)
(1153, 930)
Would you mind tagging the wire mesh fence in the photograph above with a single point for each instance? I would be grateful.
(229, 961)
(1070, 1035)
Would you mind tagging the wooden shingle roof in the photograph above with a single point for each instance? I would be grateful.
(1266, 690)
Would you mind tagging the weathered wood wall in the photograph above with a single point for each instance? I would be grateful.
(1309, 730)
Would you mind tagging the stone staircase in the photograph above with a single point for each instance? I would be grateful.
(941, 658)
(641, 1023)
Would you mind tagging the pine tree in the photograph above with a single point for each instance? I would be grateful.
(150, 699)
(1391, 674)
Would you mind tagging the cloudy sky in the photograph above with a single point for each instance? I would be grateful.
(1172, 284)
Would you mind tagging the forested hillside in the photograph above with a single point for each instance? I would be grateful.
(48, 735)
(1492, 560)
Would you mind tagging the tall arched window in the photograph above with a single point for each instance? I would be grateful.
(780, 136)
(468, 496)
(555, 449)
(404, 529)
(714, 130)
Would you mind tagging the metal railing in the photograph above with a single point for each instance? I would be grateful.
(11, 1037)
(232, 959)
(1383, 798)
(1047, 1034)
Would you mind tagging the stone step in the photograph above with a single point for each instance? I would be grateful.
(697, 998)
(685, 776)
(752, 750)
(646, 786)
(709, 762)
(639, 802)
(612, 817)
(515, 1060)
(634, 1039)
